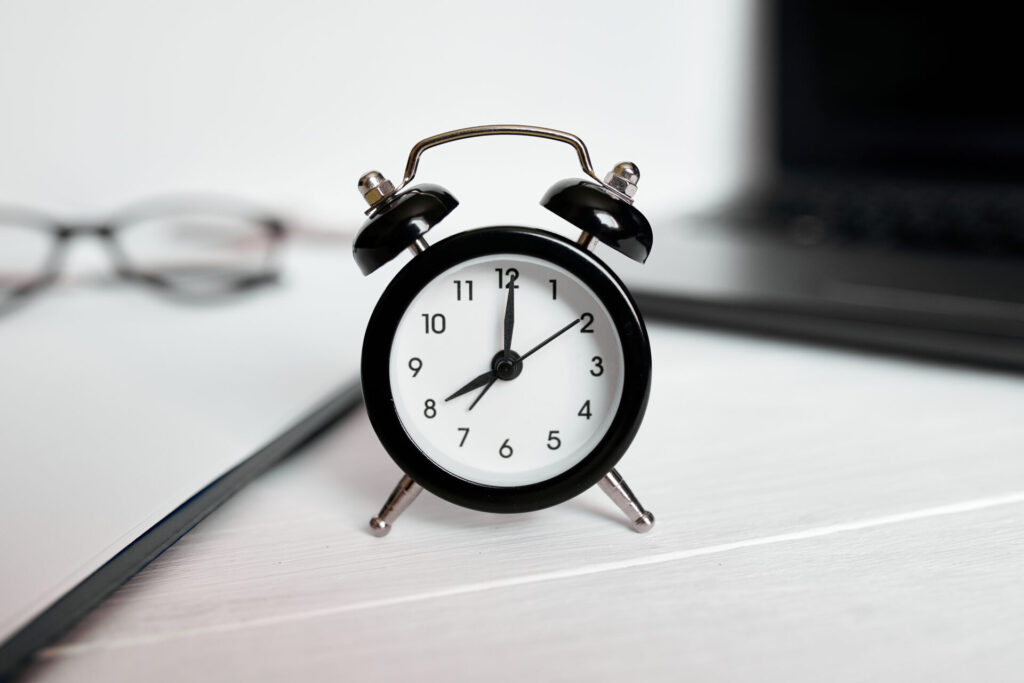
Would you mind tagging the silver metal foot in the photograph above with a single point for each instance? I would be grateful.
(615, 486)
(403, 495)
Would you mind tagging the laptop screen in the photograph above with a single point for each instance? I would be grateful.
(907, 89)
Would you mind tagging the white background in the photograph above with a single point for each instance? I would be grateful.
(289, 102)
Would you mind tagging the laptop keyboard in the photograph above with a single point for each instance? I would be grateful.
(935, 218)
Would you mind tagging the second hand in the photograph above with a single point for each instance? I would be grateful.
(549, 339)
(481, 394)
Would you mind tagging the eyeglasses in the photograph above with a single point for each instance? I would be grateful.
(199, 247)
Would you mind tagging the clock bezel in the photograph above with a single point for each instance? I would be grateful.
(423, 269)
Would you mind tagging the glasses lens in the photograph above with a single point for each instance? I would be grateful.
(24, 252)
(199, 252)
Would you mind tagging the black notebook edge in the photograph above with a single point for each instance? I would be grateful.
(66, 611)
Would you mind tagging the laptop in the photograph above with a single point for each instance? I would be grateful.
(892, 213)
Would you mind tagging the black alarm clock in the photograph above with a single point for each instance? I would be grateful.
(505, 369)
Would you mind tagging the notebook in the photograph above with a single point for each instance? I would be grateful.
(125, 417)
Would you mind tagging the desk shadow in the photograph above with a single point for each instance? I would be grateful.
(604, 510)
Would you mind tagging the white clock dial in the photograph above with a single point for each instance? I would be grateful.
(523, 430)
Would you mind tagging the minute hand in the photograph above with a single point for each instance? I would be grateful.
(549, 339)
(510, 318)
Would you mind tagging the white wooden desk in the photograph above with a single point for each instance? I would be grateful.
(821, 515)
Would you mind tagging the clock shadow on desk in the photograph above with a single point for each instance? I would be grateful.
(365, 474)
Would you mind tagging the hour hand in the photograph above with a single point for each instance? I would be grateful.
(478, 381)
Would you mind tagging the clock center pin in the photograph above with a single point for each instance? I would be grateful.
(506, 368)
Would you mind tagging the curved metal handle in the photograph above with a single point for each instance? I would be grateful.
(478, 131)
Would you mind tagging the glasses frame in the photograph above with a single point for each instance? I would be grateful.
(107, 231)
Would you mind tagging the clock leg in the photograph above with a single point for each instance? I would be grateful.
(403, 495)
(615, 486)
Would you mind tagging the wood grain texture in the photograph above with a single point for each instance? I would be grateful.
(751, 455)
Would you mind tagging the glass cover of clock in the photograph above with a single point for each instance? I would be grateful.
(530, 418)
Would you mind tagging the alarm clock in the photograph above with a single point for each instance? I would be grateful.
(505, 369)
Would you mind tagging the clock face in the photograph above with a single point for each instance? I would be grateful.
(529, 416)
